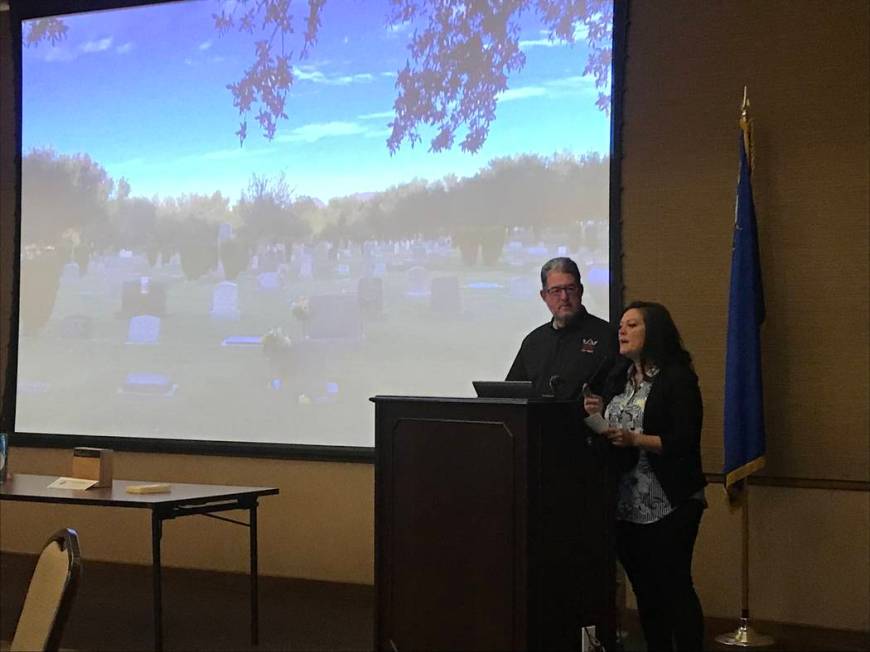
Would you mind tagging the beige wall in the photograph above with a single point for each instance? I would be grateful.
(321, 525)
(806, 67)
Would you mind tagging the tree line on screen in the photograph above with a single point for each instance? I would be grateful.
(73, 210)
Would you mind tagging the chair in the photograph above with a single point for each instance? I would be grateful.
(50, 594)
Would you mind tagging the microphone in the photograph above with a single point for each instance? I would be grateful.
(553, 383)
(593, 377)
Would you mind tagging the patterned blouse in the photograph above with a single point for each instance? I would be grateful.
(641, 497)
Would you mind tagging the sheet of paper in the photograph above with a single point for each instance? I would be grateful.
(77, 484)
(596, 423)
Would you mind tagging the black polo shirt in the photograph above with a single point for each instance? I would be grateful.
(560, 360)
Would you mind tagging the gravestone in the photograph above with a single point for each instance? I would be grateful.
(418, 282)
(597, 274)
(268, 281)
(370, 293)
(144, 329)
(333, 316)
(243, 341)
(225, 232)
(538, 252)
(306, 266)
(225, 301)
(148, 384)
(445, 298)
(143, 297)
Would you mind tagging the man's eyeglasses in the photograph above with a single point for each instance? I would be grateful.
(556, 290)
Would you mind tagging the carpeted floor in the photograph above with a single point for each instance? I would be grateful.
(209, 611)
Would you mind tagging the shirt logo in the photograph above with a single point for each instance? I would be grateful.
(588, 345)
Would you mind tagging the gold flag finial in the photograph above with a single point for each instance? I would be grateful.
(746, 125)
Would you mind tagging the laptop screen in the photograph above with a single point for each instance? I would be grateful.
(504, 389)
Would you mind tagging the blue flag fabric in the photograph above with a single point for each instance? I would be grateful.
(744, 404)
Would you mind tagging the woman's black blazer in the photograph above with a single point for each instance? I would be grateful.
(674, 412)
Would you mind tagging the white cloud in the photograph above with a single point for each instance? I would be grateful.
(96, 46)
(315, 131)
(575, 83)
(398, 28)
(376, 116)
(307, 73)
(125, 48)
(540, 43)
(521, 93)
(56, 53)
(205, 45)
(580, 34)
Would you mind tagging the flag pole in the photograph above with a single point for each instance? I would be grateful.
(745, 635)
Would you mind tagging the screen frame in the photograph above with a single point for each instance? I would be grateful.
(11, 17)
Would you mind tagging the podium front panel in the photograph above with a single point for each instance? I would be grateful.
(491, 528)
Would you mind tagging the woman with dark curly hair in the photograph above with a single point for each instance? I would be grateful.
(652, 403)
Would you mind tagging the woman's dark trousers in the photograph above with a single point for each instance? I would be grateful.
(658, 561)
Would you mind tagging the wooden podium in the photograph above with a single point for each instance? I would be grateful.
(493, 526)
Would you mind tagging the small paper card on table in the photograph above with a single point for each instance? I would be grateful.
(77, 484)
(596, 423)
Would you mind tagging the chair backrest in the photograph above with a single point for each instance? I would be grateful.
(50, 594)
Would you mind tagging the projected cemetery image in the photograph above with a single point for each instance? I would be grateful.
(240, 224)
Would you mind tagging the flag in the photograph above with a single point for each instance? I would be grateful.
(744, 406)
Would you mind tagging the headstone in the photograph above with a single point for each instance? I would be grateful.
(268, 281)
(143, 297)
(330, 394)
(243, 341)
(419, 253)
(144, 329)
(77, 327)
(225, 301)
(597, 275)
(148, 384)
(418, 282)
(483, 285)
(225, 232)
(33, 387)
(333, 316)
(445, 298)
(370, 293)
(306, 266)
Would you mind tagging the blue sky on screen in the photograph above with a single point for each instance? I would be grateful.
(143, 92)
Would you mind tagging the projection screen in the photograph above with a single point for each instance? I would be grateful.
(240, 220)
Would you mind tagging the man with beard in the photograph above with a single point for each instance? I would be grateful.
(574, 348)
